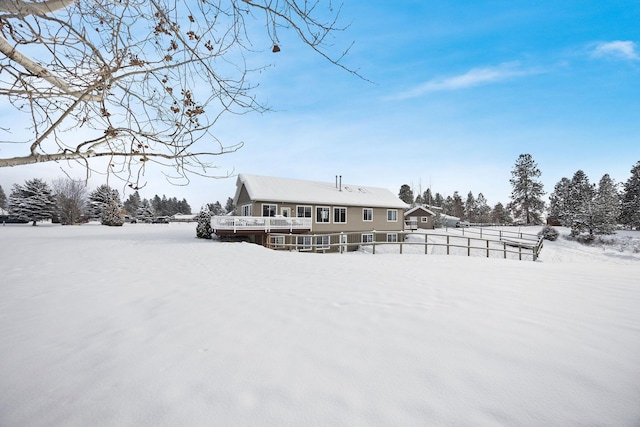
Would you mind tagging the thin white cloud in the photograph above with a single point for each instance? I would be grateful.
(616, 49)
(473, 77)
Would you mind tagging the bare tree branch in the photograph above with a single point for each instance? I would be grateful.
(140, 82)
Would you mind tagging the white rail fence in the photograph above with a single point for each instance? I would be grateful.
(486, 243)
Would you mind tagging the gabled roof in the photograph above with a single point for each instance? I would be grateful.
(419, 208)
(286, 190)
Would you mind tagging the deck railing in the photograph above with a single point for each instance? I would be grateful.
(259, 223)
(513, 245)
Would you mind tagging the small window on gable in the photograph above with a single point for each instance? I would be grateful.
(247, 210)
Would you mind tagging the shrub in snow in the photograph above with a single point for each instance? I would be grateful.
(112, 214)
(549, 233)
(204, 230)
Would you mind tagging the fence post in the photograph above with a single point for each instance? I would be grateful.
(426, 247)
(505, 249)
(447, 244)
(487, 248)
(401, 240)
(520, 252)
(468, 246)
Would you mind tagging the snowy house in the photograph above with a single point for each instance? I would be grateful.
(268, 204)
(419, 217)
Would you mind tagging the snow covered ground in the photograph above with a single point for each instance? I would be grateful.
(145, 325)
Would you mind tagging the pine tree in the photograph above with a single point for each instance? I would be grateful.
(203, 229)
(99, 199)
(419, 200)
(630, 206)
(33, 201)
(112, 214)
(406, 194)
(500, 215)
(559, 201)
(484, 211)
(438, 200)
(230, 207)
(183, 207)
(215, 209)
(470, 208)
(457, 205)
(132, 203)
(3, 199)
(527, 191)
(579, 206)
(145, 211)
(606, 206)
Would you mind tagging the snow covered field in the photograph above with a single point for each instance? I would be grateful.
(145, 325)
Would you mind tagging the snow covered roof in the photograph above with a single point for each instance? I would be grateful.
(421, 208)
(287, 190)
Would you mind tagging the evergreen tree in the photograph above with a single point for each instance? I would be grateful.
(484, 211)
(527, 190)
(427, 197)
(579, 206)
(203, 229)
(183, 207)
(99, 199)
(630, 206)
(606, 206)
(419, 200)
(559, 201)
(470, 208)
(457, 205)
(112, 214)
(33, 201)
(230, 207)
(438, 200)
(3, 199)
(145, 211)
(215, 209)
(406, 194)
(500, 215)
(447, 206)
(132, 203)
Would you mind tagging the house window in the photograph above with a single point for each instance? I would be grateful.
(392, 237)
(322, 242)
(303, 211)
(392, 215)
(322, 214)
(247, 210)
(269, 210)
(276, 242)
(304, 243)
(367, 238)
(339, 215)
(367, 214)
(424, 218)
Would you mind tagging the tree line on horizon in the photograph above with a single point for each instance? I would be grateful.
(68, 201)
(575, 203)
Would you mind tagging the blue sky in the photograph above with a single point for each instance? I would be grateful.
(456, 91)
